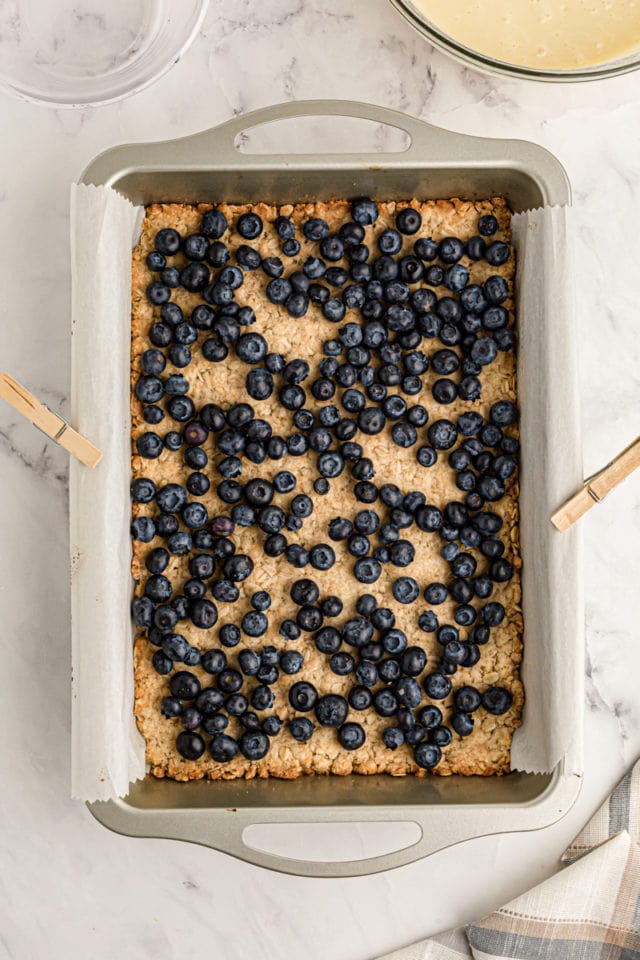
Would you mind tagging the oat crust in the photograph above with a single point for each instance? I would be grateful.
(487, 750)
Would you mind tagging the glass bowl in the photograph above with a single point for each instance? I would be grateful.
(76, 53)
(474, 58)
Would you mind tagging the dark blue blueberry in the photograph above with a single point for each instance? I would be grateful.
(497, 253)
(413, 661)
(392, 738)
(171, 277)
(404, 434)
(160, 334)
(407, 691)
(179, 355)
(214, 350)
(389, 671)
(328, 640)
(385, 703)
(394, 641)
(224, 748)
(358, 545)
(291, 662)
(333, 310)
(290, 630)
(390, 242)
(315, 229)
(442, 434)
(444, 391)
(331, 710)
(149, 445)
(465, 615)
(483, 587)
(462, 723)
(331, 606)
(142, 611)
(476, 248)
(450, 250)
(367, 673)
(260, 386)
(487, 225)
(254, 745)
(436, 686)
(427, 755)
(216, 723)
(351, 736)
(275, 545)
(184, 685)
(291, 248)
(297, 555)
(428, 621)
(456, 278)
(301, 729)
(466, 699)
(440, 736)
(430, 717)
(251, 348)
(190, 745)
(364, 211)
(303, 696)
(497, 700)
(279, 290)
(214, 224)
(405, 590)
(309, 618)
(426, 456)
(162, 664)
(224, 591)
(272, 725)
(426, 249)
(322, 557)
(143, 490)
(262, 697)
(409, 221)
(249, 226)
(342, 664)
(167, 241)
(143, 529)
(493, 614)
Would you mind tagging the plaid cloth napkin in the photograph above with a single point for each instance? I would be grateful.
(590, 910)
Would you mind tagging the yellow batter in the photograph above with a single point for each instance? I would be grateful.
(547, 34)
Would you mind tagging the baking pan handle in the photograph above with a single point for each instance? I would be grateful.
(222, 141)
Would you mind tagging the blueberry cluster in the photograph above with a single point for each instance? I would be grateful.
(363, 386)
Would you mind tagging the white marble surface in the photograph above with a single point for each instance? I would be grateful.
(72, 889)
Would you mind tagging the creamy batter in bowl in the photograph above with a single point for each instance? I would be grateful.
(552, 40)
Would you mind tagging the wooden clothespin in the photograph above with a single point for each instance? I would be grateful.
(49, 422)
(598, 486)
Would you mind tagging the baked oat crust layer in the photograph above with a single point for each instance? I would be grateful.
(487, 750)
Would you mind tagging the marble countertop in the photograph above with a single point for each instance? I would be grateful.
(71, 888)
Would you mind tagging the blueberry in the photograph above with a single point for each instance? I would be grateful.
(301, 729)
(149, 445)
(303, 696)
(450, 250)
(392, 738)
(367, 570)
(476, 248)
(302, 505)
(408, 692)
(224, 748)
(426, 249)
(389, 671)
(322, 557)
(254, 745)
(342, 664)
(427, 755)
(330, 464)
(262, 697)
(456, 278)
(405, 590)
(436, 686)
(466, 699)
(190, 745)
(364, 212)
(413, 661)
(351, 736)
(500, 570)
(331, 710)
(442, 434)
(497, 253)
(444, 391)
(297, 555)
(367, 673)
(430, 717)
(291, 248)
(385, 703)
(272, 725)
(291, 662)
(249, 226)
(440, 736)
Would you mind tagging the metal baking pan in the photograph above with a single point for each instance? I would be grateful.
(437, 164)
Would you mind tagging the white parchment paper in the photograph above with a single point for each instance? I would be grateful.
(108, 751)
(551, 471)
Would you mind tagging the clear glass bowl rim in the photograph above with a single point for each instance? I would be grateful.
(25, 92)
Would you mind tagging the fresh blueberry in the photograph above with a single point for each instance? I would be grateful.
(408, 692)
(351, 736)
(331, 710)
(436, 686)
(428, 621)
(405, 590)
(303, 696)
(342, 664)
(301, 729)
(392, 738)
(440, 736)
(442, 434)
(413, 661)
(364, 212)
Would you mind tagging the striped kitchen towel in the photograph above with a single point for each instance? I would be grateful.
(590, 910)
